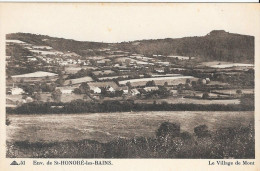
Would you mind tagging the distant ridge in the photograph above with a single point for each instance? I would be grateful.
(216, 45)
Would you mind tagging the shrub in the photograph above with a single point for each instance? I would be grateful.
(202, 131)
(168, 129)
(185, 135)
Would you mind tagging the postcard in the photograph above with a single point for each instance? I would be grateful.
(129, 86)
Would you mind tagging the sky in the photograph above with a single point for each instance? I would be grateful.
(108, 22)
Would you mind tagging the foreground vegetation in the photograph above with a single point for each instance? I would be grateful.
(81, 106)
(170, 142)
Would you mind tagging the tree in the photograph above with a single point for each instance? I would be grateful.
(22, 81)
(193, 83)
(60, 81)
(129, 85)
(7, 122)
(239, 92)
(84, 88)
(168, 130)
(37, 96)
(167, 70)
(205, 95)
(56, 95)
(180, 88)
(70, 83)
(77, 91)
(150, 83)
(202, 131)
(165, 84)
(52, 87)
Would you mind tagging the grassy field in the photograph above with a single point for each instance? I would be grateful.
(233, 91)
(159, 80)
(64, 97)
(104, 127)
(189, 101)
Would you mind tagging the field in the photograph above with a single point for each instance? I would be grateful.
(103, 72)
(189, 101)
(113, 77)
(123, 59)
(159, 81)
(233, 91)
(64, 97)
(105, 127)
(78, 80)
(221, 64)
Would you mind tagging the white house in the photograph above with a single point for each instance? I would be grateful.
(29, 99)
(31, 59)
(148, 89)
(96, 90)
(111, 89)
(124, 89)
(207, 80)
(16, 91)
(134, 92)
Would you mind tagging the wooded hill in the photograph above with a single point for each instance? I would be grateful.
(217, 45)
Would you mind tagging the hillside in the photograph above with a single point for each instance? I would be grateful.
(217, 45)
(60, 44)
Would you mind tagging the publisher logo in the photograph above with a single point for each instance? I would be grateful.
(14, 163)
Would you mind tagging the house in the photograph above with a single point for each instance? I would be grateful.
(207, 80)
(110, 89)
(160, 70)
(16, 91)
(148, 89)
(96, 90)
(134, 92)
(124, 89)
(31, 59)
(29, 99)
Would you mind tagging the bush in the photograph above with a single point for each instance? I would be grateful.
(202, 131)
(185, 135)
(168, 130)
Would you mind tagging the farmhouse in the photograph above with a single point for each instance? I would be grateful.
(110, 89)
(96, 90)
(124, 89)
(16, 91)
(134, 92)
(35, 77)
(148, 89)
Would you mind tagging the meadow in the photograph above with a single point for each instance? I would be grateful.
(133, 135)
(159, 80)
(104, 127)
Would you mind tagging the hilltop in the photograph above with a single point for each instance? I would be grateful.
(217, 45)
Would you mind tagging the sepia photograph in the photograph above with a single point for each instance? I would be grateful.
(130, 80)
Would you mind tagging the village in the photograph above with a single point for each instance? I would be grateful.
(64, 76)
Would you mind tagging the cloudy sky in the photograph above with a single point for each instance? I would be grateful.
(125, 22)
